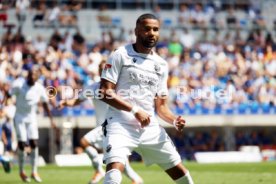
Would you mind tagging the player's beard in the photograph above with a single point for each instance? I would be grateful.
(147, 43)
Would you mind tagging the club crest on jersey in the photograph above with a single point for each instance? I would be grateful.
(107, 66)
(157, 68)
(134, 60)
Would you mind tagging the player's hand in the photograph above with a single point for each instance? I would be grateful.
(53, 124)
(61, 104)
(143, 118)
(179, 123)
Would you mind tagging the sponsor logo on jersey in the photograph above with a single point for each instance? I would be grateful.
(108, 148)
(157, 68)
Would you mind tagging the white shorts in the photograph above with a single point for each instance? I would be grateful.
(152, 143)
(95, 137)
(25, 130)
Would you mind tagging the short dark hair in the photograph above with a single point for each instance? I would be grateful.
(145, 16)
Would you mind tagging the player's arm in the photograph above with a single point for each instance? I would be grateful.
(110, 97)
(49, 114)
(110, 76)
(161, 102)
(69, 103)
(164, 112)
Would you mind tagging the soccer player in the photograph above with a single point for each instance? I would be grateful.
(134, 84)
(7, 127)
(6, 163)
(29, 93)
(3, 159)
(92, 141)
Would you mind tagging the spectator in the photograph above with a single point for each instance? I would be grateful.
(157, 12)
(7, 37)
(131, 36)
(21, 11)
(198, 17)
(40, 16)
(67, 17)
(187, 39)
(259, 20)
(184, 15)
(180, 143)
(40, 44)
(231, 19)
(215, 142)
(7, 128)
(53, 18)
(175, 48)
(19, 38)
(104, 19)
(3, 13)
(198, 142)
(78, 44)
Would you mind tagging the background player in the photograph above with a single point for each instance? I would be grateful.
(3, 159)
(29, 93)
(6, 163)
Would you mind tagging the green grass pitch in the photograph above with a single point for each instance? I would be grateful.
(234, 173)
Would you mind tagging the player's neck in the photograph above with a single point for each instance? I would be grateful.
(140, 49)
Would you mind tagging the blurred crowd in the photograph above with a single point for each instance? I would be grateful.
(213, 68)
(244, 69)
(45, 14)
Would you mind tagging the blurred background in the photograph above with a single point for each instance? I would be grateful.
(221, 56)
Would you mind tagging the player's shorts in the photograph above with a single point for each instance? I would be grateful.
(25, 130)
(152, 143)
(1, 148)
(8, 146)
(95, 137)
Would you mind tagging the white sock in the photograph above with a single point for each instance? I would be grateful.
(131, 173)
(94, 157)
(187, 179)
(113, 176)
(21, 157)
(34, 159)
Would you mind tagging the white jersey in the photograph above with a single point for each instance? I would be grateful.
(91, 93)
(27, 98)
(138, 78)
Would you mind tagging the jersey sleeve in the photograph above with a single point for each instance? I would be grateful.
(163, 86)
(112, 68)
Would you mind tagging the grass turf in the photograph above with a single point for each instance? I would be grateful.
(234, 173)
